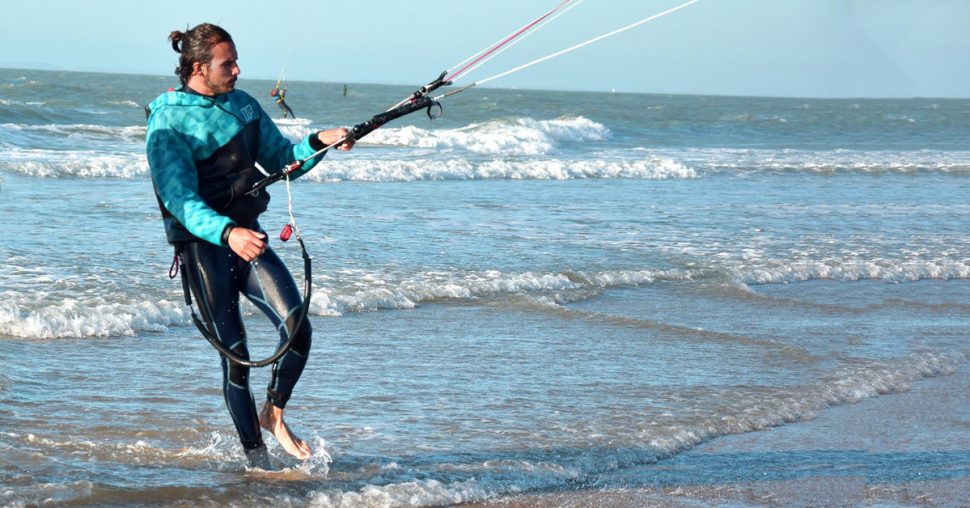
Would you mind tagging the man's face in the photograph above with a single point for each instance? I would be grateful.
(220, 75)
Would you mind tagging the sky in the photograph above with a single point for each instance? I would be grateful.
(792, 48)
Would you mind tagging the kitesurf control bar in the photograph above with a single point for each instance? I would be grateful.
(420, 98)
(416, 101)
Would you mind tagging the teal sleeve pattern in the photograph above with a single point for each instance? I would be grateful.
(276, 151)
(174, 176)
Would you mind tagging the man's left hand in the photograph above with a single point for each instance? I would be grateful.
(331, 136)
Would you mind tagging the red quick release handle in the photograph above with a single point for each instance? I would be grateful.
(286, 233)
(293, 166)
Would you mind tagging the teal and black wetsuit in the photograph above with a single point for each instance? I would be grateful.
(203, 153)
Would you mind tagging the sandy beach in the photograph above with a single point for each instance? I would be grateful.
(904, 449)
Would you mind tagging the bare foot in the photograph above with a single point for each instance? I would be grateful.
(271, 419)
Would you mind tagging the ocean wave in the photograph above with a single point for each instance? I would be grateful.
(855, 270)
(462, 169)
(824, 161)
(74, 163)
(103, 164)
(355, 292)
(125, 102)
(753, 117)
(371, 292)
(474, 476)
(81, 132)
(760, 411)
(517, 136)
(295, 129)
(95, 318)
(470, 476)
(486, 477)
(336, 295)
(219, 448)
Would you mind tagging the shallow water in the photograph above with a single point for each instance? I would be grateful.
(535, 291)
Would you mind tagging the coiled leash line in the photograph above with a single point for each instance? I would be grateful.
(179, 263)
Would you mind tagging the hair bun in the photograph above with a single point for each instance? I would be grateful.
(176, 38)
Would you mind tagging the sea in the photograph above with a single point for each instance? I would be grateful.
(538, 291)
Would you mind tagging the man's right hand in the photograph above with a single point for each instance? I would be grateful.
(246, 243)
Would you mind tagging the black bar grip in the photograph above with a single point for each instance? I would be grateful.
(356, 132)
(364, 128)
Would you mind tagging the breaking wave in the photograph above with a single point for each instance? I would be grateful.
(517, 136)
(462, 169)
(357, 292)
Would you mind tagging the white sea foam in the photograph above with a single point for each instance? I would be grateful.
(45, 493)
(520, 136)
(219, 448)
(823, 161)
(855, 269)
(895, 117)
(125, 102)
(753, 117)
(100, 164)
(531, 141)
(74, 163)
(96, 318)
(357, 292)
(462, 169)
(372, 292)
(496, 478)
(294, 128)
(363, 291)
(414, 493)
(766, 261)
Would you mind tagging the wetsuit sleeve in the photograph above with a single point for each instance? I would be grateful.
(276, 151)
(176, 181)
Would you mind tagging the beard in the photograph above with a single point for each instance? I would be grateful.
(222, 87)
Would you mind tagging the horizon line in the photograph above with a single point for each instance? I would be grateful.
(31, 67)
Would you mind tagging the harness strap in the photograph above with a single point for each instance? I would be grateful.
(173, 270)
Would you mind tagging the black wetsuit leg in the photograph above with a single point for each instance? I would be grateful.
(271, 287)
(217, 277)
(214, 277)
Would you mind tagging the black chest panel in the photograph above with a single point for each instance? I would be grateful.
(226, 176)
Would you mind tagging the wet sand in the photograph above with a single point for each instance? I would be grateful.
(904, 449)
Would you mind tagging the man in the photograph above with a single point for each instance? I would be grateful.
(279, 92)
(203, 143)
